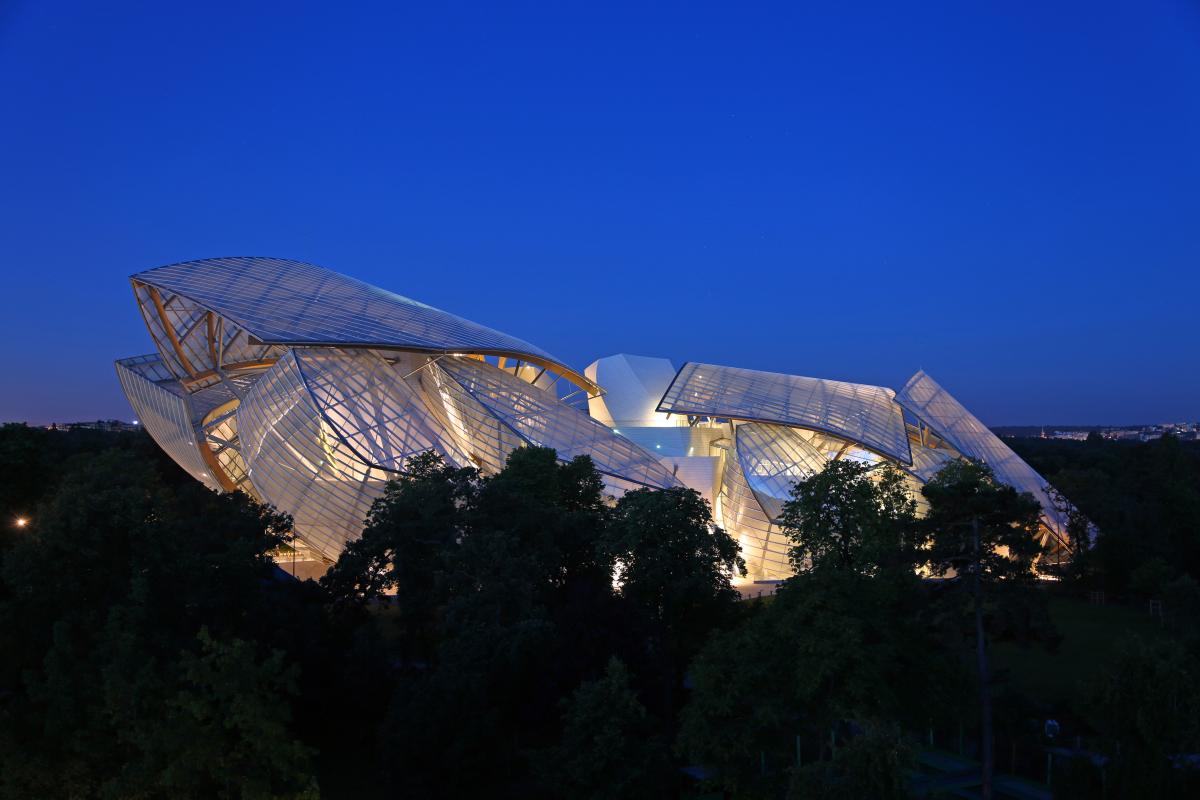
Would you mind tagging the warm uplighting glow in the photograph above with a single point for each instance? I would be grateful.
(22, 522)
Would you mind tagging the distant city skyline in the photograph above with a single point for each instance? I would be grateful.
(1006, 201)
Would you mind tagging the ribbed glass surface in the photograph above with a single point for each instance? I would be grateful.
(773, 459)
(163, 410)
(866, 414)
(283, 301)
(540, 419)
(485, 438)
(221, 436)
(764, 546)
(928, 461)
(365, 398)
(298, 463)
(945, 415)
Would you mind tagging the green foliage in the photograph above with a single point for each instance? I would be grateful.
(609, 748)
(1150, 578)
(1181, 609)
(1143, 497)
(850, 516)
(524, 612)
(224, 732)
(100, 604)
(1148, 707)
(474, 640)
(877, 764)
(674, 566)
(966, 501)
(834, 645)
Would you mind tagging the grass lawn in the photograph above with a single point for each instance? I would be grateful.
(1093, 635)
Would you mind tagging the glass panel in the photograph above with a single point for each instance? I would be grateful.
(163, 409)
(865, 414)
(279, 300)
(540, 419)
(300, 465)
(940, 411)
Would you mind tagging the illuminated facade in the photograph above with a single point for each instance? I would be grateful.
(743, 438)
(308, 390)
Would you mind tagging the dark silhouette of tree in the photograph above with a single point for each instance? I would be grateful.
(1148, 708)
(223, 731)
(674, 570)
(833, 647)
(985, 535)
(609, 748)
(876, 764)
(101, 603)
(525, 613)
(850, 516)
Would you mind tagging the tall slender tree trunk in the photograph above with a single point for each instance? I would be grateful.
(985, 694)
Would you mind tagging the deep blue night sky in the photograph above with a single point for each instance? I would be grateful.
(1006, 195)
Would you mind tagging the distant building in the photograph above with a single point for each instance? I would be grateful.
(97, 425)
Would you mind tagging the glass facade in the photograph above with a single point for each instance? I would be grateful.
(934, 406)
(289, 302)
(165, 411)
(309, 390)
(868, 415)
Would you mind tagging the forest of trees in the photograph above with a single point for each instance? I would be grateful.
(521, 635)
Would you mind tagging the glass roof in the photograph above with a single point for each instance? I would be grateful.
(543, 421)
(291, 302)
(865, 414)
(949, 419)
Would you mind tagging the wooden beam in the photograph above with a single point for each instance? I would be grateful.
(169, 329)
(237, 365)
(212, 340)
(214, 466)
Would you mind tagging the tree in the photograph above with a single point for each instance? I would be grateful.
(609, 748)
(850, 516)
(876, 764)
(525, 613)
(410, 535)
(984, 533)
(834, 646)
(1147, 707)
(99, 600)
(675, 567)
(224, 732)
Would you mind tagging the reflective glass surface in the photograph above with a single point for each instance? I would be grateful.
(945, 415)
(163, 409)
(283, 301)
(866, 414)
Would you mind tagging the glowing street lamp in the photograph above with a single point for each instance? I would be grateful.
(21, 522)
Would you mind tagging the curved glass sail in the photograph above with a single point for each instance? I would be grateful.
(860, 413)
(364, 397)
(763, 545)
(542, 420)
(290, 302)
(945, 415)
(299, 464)
(163, 410)
(773, 459)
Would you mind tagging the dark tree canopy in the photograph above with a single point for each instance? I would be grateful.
(526, 635)
(103, 599)
(850, 516)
